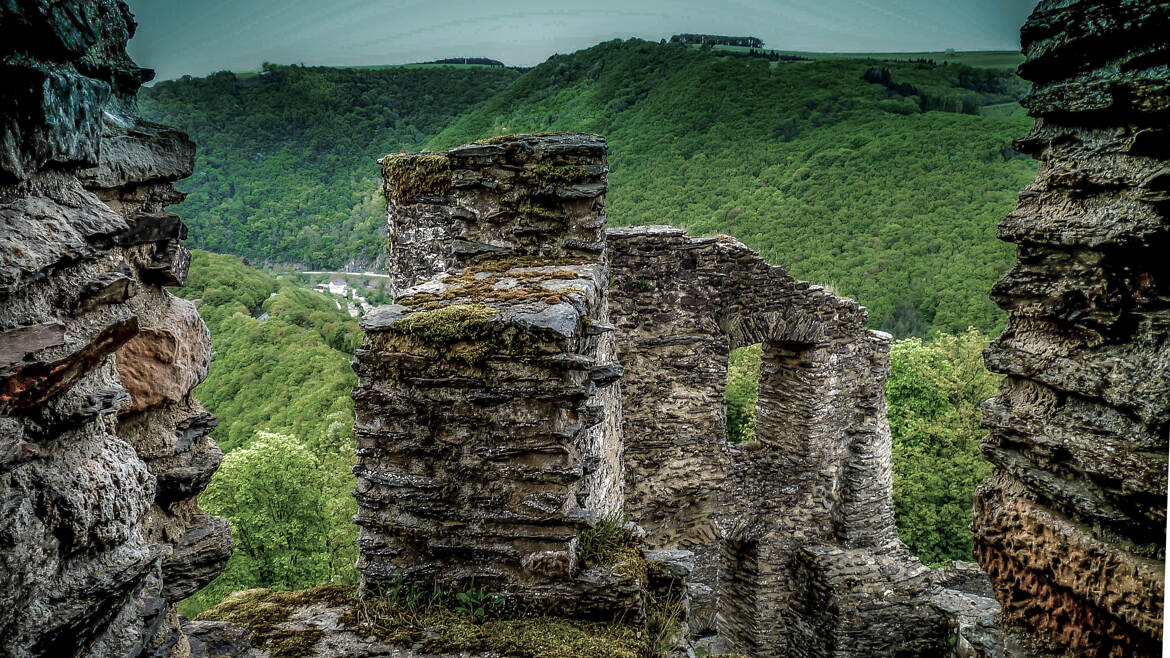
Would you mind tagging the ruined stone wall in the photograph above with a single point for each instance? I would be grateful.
(796, 548)
(1071, 527)
(102, 448)
(487, 418)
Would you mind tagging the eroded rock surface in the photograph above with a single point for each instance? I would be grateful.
(102, 449)
(1071, 528)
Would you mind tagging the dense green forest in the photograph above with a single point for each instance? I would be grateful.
(887, 197)
(285, 168)
(281, 390)
(882, 178)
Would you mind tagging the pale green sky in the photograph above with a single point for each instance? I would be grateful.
(198, 37)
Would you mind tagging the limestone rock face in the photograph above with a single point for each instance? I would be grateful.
(1071, 528)
(102, 449)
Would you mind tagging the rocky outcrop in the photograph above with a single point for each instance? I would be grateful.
(1071, 528)
(102, 448)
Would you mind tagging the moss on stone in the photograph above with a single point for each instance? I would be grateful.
(293, 643)
(545, 173)
(517, 262)
(512, 137)
(263, 611)
(409, 177)
(532, 209)
(450, 324)
(442, 630)
(468, 288)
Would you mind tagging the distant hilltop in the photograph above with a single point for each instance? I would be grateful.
(717, 40)
(482, 61)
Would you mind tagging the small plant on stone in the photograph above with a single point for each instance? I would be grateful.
(599, 544)
(476, 602)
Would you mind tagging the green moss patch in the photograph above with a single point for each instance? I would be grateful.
(501, 139)
(262, 611)
(449, 324)
(409, 177)
(440, 630)
(546, 173)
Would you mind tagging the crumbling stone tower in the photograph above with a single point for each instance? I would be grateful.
(487, 421)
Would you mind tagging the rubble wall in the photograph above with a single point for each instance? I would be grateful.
(1071, 527)
(102, 448)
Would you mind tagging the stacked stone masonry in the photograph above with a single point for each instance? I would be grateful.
(1072, 526)
(486, 410)
(102, 448)
(493, 431)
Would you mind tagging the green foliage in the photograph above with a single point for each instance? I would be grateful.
(439, 629)
(285, 168)
(281, 390)
(935, 391)
(894, 197)
(290, 512)
(743, 382)
(832, 176)
(605, 542)
(290, 374)
(477, 602)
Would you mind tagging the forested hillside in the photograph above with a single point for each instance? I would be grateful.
(281, 390)
(883, 179)
(285, 169)
(889, 190)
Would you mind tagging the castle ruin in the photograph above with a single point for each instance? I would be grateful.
(541, 374)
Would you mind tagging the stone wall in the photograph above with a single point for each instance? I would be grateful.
(1071, 527)
(102, 448)
(486, 415)
(792, 533)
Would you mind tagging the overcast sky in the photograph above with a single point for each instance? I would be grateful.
(198, 37)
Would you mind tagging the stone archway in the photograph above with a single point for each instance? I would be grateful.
(819, 475)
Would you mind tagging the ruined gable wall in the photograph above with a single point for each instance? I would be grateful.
(795, 533)
(1071, 527)
(102, 449)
